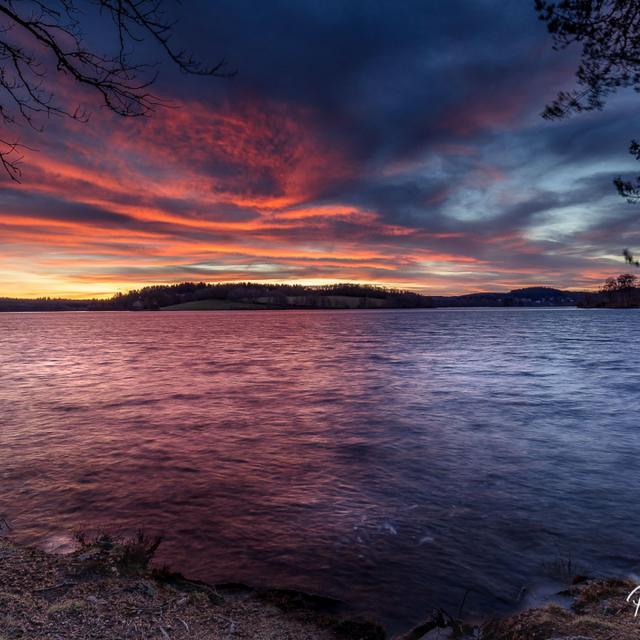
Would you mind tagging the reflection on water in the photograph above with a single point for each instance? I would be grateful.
(391, 458)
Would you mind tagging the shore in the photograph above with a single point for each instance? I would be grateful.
(106, 590)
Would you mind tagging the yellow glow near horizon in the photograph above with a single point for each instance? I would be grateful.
(145, 210)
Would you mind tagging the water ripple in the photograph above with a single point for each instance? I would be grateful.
(393, 459)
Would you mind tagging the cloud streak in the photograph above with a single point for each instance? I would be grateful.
(391, 146)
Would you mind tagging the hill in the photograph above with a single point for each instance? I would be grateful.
(248, 295)
(201, 296)
(527, 297)
(190, 296)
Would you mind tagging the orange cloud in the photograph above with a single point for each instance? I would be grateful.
(227, 193)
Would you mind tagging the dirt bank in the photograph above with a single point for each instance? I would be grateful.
(105, 591)
(599, 611)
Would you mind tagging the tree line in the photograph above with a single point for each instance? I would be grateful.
(619, 292)
(269, 295)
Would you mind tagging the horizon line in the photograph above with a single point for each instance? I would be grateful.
(303, 283)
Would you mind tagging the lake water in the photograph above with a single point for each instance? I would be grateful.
(393, 459)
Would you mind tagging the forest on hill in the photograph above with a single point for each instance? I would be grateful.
(527, 297)
(246, 295)
(189, 296)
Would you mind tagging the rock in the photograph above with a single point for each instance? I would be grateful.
(440, 626)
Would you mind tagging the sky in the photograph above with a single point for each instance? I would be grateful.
(377, 141)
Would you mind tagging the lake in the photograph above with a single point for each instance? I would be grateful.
(394, 459)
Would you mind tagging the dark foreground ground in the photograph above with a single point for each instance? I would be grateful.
(105, 591)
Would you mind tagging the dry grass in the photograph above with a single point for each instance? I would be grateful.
(599, 612)
(130, 553)
(105, 592)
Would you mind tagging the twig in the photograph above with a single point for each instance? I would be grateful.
(55, 586)
(464, 599)
(186, 626)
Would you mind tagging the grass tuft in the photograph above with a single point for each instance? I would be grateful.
(130, 554)
(65, 607)
(135, 553)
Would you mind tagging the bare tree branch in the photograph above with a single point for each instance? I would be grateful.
(609, 33)
(40, 39)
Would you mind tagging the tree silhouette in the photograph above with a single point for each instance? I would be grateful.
(43, 39)
(609, 33)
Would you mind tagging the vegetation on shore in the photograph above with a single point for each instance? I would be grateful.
(599, 611)
(622, 292)
(106, 589)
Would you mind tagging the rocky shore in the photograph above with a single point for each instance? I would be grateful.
(106, 590)
(599, 611)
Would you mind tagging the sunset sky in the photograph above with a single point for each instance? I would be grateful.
(397, 143)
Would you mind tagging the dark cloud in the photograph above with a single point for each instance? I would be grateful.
(363, 139)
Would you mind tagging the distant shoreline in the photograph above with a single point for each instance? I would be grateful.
(309, 309)
(191, 296)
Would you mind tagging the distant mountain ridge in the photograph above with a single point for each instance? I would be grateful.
(525, 297)
(228, 296)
